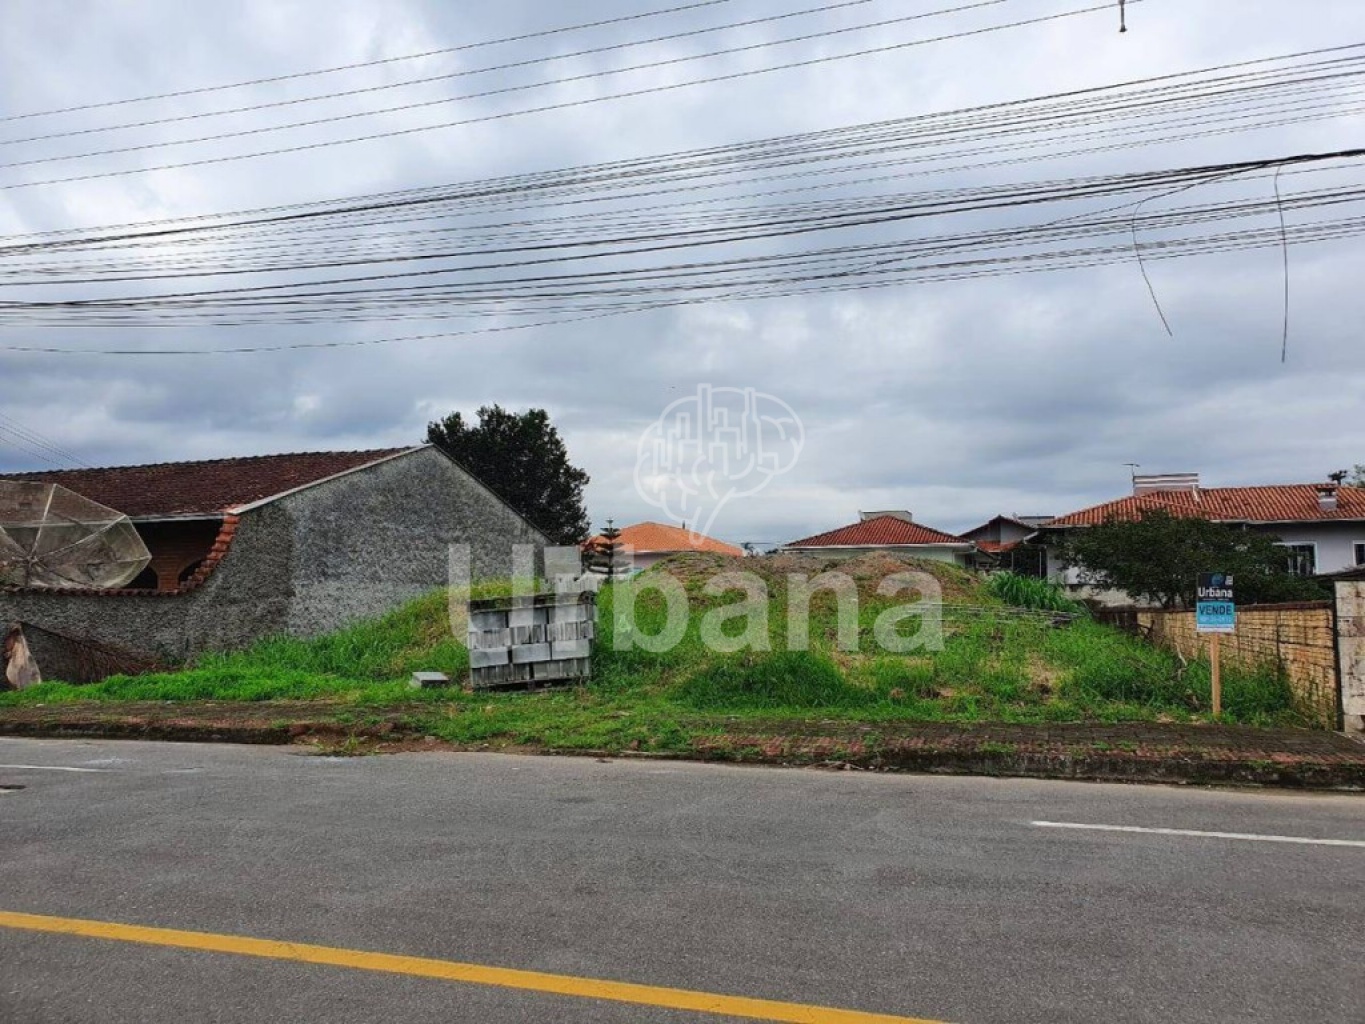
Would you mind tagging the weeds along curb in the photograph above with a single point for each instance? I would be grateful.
(1178, 770)
(979, 758)
(256, 734)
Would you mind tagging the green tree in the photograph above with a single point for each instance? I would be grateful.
(1159, 557)
(521, 456)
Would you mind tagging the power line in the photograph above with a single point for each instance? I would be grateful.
(28, 440)
(530, 62)
(538, 34)
(546, 108)
(1077, 105)
(877, 264)
(273, 226)
(484, 94)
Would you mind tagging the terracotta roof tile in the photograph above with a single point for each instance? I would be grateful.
(884, 531)
(210, 487)
(1283, 503)
(656, 538)
(995, 547)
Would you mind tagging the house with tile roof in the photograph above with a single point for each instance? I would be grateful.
(1320, 525)
(894, 531)
(649, 542)
(296, 544)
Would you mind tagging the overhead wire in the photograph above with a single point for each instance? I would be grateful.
(502, 115)
(377, 62)
(470, 72)
(514, 188)
(789, 273)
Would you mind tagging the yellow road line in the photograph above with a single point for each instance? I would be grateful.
(449, 970)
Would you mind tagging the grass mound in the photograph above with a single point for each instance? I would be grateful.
(992, 662)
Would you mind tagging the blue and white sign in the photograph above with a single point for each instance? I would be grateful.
(1215, 609)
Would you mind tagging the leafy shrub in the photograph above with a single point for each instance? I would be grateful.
(1031, 592)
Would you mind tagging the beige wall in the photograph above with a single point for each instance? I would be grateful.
(1295, 636)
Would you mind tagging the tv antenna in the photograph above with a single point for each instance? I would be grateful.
(54, 538)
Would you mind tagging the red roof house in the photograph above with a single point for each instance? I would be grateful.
(649, 542)
(1322, 525)
(887, 531)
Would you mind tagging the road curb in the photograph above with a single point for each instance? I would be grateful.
(1082, 767)
(1226, 756)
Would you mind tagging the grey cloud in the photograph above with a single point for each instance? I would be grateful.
(959, 400)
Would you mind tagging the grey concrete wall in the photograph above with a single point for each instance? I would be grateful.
(360, 551)
(147, 623)
(310, 562)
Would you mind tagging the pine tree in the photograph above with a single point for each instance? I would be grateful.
(606, 555)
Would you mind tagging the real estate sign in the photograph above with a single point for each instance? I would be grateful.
(1215, 609)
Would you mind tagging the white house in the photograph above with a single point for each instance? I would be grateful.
(1321, 526)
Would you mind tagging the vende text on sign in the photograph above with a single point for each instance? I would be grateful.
(1215, 609)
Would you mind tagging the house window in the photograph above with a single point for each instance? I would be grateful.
(1360, 553)
(1303, 559)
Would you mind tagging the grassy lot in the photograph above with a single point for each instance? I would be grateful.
(998, 662)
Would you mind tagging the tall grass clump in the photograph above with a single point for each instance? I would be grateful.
(770, 681)
(1031, 592)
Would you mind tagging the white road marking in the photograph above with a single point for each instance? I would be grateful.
(1248, 836)
(49, 768)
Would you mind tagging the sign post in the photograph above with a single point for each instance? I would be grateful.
(1215, 613)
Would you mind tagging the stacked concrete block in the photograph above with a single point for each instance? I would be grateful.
(533, 640)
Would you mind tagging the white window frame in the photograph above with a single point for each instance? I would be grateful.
(1358, 549)
(1302, 544)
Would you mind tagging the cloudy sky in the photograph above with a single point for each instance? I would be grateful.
(957, 400)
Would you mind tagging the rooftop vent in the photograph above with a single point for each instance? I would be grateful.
(1156, 483)
(1327, 497)
(893, 513)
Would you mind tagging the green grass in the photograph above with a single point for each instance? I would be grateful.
(994, 666)
(1032, 593)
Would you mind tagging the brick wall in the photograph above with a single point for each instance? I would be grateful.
(1297, 637)
(176, 546)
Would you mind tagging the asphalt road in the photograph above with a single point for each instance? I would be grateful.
(910, 896)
